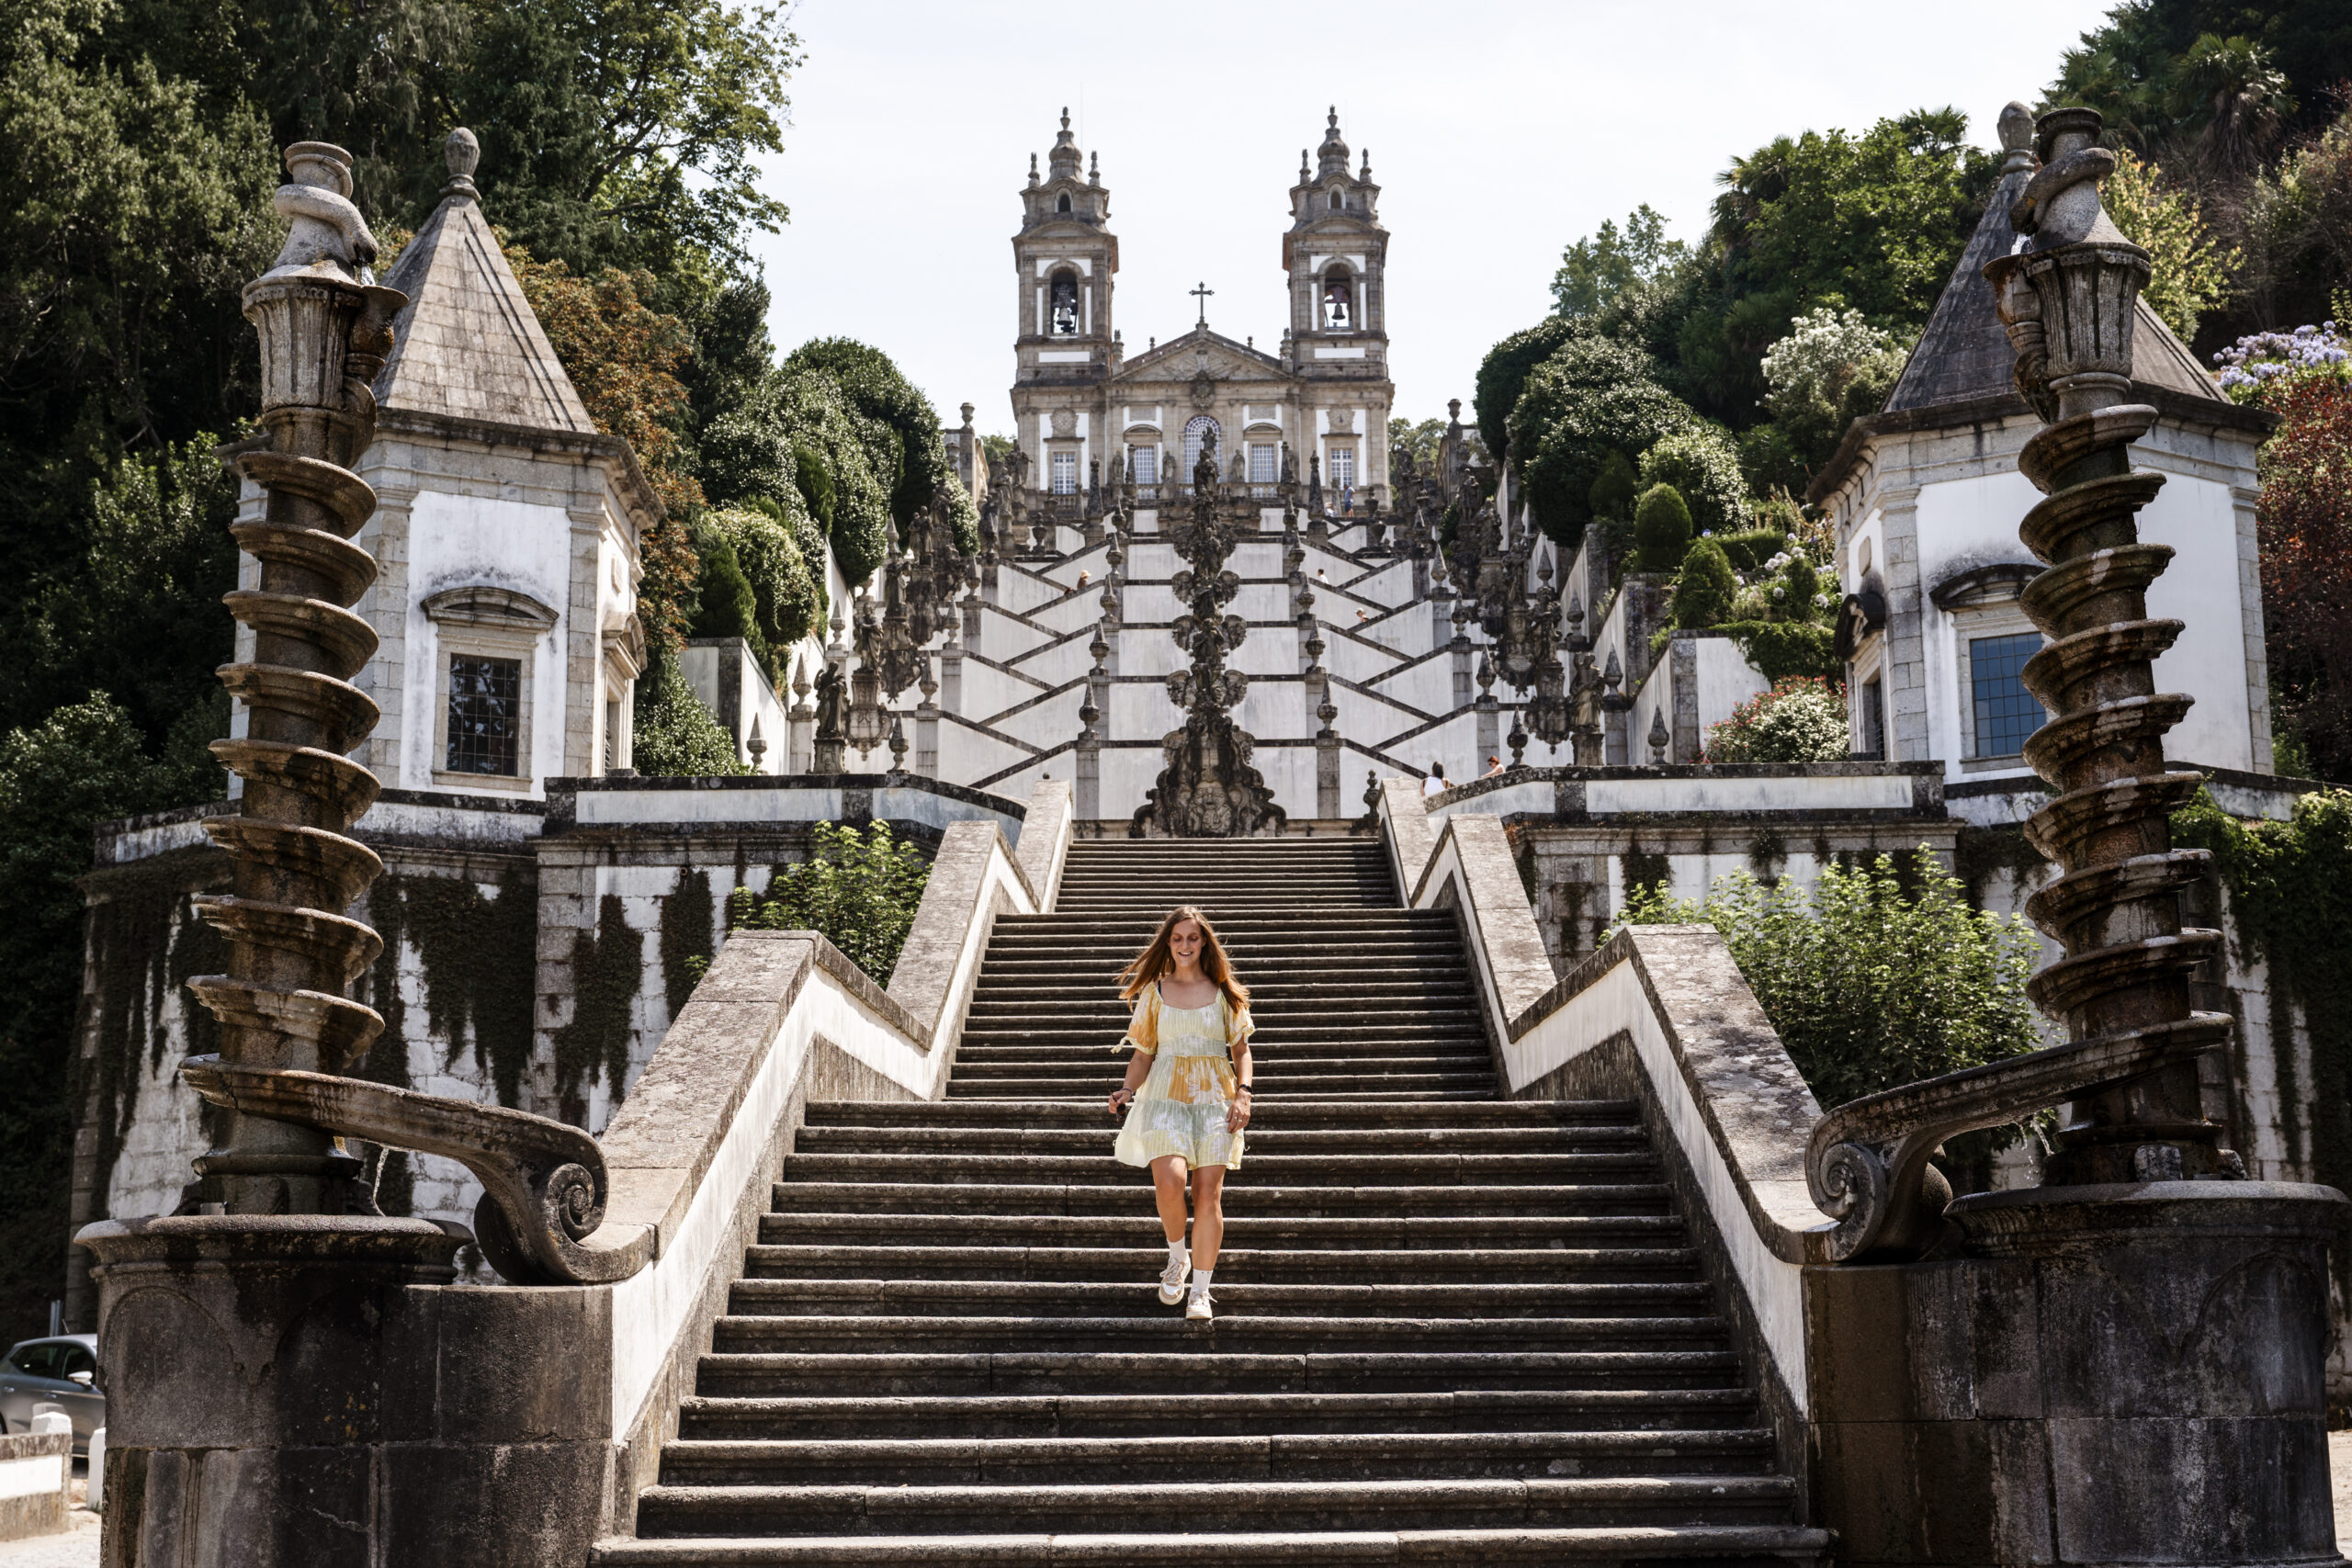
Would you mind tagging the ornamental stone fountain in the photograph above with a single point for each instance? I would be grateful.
(2124, 1364)
(274, 1393)
(1208, 788)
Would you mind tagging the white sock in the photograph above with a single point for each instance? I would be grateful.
(1176, 1253)
(1201, 1281)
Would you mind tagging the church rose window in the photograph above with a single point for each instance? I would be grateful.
(1065, 305)
(1143, 465)
(1339, 298)
(2006, 711)
(1064, 473)
(1262, 466)
(1195, 428)
(485, 716)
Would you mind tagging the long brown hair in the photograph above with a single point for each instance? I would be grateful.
(1156, 961)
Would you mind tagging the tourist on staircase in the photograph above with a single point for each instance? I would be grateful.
(1187, 1090)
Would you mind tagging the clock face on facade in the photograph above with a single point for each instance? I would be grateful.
(1203, 389)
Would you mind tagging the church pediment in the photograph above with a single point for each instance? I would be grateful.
(1198, 354)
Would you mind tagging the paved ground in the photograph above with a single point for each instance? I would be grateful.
(78, 1547)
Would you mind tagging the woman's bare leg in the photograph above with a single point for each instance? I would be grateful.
(1208, 1214)
(1168, 1189)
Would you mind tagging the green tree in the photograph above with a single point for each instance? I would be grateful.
(859, 891)
(1614, 492)
(1594, 273)
(82, 765)
(1502, 378)
(1702, 465)
(1418, 442)
(1879, 974)
(1833, 368)
(1593, 398)
(1662, 530)
(2193, 272)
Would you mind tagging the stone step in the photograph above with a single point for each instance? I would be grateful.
(1600, 1546)
(1243, 1202)
(1272, 1085)
(1351, 1231)
(1476, 1089)
(1330, 1172)
(1669, 1499)
(1271, 1071)
(1659, 1259)
(1001, 1045)
(1167, 1329)
(1208, 1456)
(1621, 1113)
(1183, 1373)
(1045, 991)
(1074, 1298)
(1274, 1138)
(1110, 1415)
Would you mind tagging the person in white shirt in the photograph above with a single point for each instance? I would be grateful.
(1435, 784)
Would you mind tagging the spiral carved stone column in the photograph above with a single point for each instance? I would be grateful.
(2068, 304)
(291, 952)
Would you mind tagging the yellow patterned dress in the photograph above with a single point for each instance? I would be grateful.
(1181, 1108)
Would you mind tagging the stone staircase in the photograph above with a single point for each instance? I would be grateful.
(1451, 1328)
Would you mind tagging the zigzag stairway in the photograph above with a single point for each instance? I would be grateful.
(1451, 1328)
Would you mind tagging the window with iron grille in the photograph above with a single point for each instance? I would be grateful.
(1143, 465)
(1064, 473)
(2006, 711)
(485, 716)
(1264, 468)
(1343, 466)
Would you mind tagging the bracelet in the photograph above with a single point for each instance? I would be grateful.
(1241, 1088)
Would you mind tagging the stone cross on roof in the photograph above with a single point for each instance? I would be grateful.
(468, 345)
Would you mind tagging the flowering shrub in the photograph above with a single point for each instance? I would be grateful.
(2267, 357)
(1801, 719)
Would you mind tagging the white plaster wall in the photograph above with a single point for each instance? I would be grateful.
(461, 540)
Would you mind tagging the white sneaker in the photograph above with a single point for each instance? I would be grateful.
(1172, 1279)
(1197, 1309)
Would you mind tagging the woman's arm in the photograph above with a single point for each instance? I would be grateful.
(1139, 1065)
(1243, 1070)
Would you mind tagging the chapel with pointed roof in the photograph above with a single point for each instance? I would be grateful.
(1086, 413)
(1925, 497)
(507, 529)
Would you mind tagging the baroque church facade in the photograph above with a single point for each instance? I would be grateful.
(1088, 412)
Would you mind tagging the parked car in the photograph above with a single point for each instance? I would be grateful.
(63, 1371)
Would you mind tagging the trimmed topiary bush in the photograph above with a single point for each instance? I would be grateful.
(675, 736)
(724, 605)
(1780, 649)
(1661, 529)
(1704, 594)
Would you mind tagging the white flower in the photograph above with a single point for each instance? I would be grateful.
(1779, 591)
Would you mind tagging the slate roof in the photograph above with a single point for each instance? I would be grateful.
(468, 345)
(1964, 356)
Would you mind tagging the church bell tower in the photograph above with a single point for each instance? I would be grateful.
(1336, 255)
(1064, 258)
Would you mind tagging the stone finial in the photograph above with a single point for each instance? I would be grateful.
(2016, 137)
(1658, 737)
(1033, 168)
(463, 152)
(325, 226)
(1095, 168)
(2061, 203)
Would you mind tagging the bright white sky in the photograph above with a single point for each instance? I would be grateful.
(1500, 131)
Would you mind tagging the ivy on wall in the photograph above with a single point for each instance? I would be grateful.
(145, 942)
(2291, 908)
(688, 933)
(607, 966)
(477, 959)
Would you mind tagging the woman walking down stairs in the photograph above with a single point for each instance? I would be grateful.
(1450, 1327)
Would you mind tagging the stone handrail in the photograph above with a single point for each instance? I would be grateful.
(1725, 1089)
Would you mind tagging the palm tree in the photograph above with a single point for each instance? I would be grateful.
(2239, 103)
